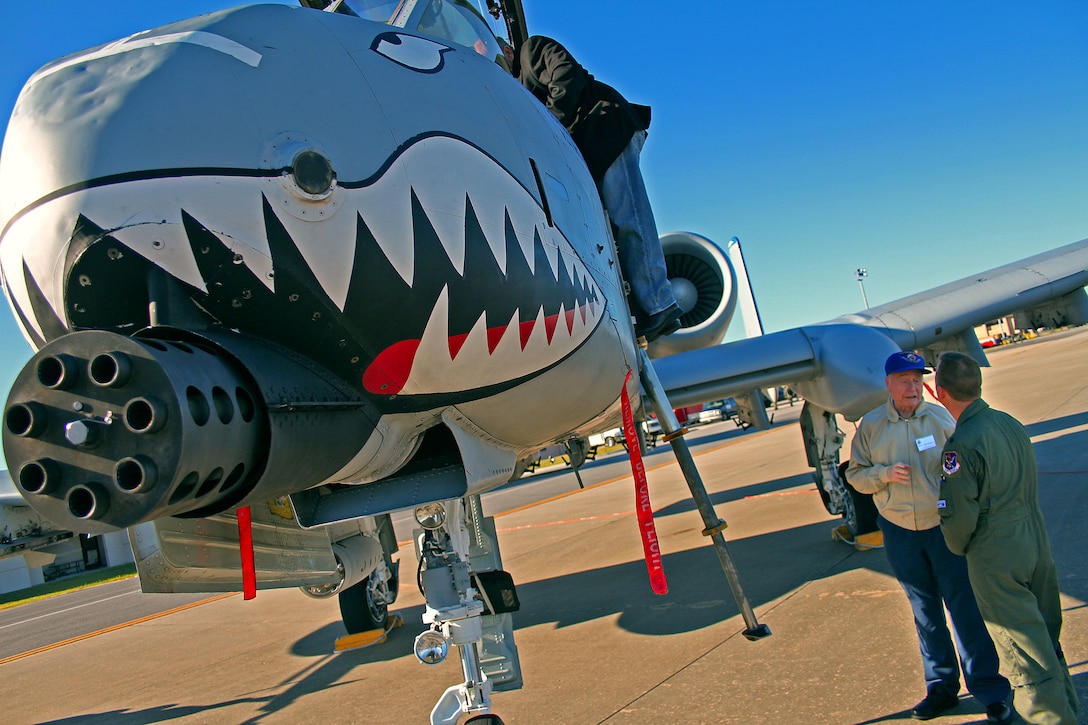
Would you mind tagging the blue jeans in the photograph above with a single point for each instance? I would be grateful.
(641, 259)
(934, 578)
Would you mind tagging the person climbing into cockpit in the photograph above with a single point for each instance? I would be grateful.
(610, 132)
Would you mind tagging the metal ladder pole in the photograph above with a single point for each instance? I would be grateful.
(673, 433)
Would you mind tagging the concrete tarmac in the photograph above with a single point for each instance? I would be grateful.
(596, 645)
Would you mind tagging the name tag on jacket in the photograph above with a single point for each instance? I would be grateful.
(924, 444)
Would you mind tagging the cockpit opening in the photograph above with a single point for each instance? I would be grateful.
(462, 22)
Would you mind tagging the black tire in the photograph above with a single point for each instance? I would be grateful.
(860, 513)
(609, 442)
(360, 610)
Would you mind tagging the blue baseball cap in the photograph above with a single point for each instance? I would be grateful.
(900, 361)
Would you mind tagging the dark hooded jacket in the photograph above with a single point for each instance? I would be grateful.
(599, 119)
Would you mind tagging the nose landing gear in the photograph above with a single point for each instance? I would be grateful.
(469, 601)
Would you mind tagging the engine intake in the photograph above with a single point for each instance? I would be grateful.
(705, 286)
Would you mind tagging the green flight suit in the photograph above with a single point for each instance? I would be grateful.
(989, 507)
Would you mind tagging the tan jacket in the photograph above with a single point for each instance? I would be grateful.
(884, 439)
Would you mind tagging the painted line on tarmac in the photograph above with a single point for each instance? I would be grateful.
(1059, 433)
(115, 627)
(69, 609)
(772, 494)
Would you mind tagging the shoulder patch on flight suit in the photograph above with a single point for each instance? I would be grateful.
(951, 462)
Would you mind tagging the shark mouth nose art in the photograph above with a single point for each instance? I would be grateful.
(527, 315)
(484, 291)
(538, 301)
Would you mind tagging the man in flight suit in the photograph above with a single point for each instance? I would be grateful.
(896, 456)
(989, 508)
(610, 132)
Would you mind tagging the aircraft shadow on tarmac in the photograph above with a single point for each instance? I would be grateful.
(1055, 424)
(162, 713)
(1063, 461)
(699, 594)
(737, 494)
(698, 597)
(327, 672)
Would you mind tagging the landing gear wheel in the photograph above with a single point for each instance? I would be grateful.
(363, 608)
(860, 511)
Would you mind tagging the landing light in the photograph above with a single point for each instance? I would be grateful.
(431, 516)
(431, 647)
(320, 591)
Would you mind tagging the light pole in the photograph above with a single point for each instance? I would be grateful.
(861, 274)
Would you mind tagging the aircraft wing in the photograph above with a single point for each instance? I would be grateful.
(838, 365)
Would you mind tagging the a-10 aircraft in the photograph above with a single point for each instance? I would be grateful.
(320, 301)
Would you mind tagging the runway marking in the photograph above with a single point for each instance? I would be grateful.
(1059, 433)
(148, 618)
(69, 609)
(783, 493)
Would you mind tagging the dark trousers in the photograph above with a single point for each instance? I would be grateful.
(934, 578)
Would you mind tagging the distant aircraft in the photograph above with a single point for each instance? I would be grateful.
(321, 265)
(20, 526)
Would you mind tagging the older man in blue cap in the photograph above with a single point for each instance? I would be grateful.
(896, 456)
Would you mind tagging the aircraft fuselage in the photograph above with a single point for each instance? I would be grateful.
(395, 209)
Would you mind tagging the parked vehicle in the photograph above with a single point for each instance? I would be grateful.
(607, 439)
(717, 410)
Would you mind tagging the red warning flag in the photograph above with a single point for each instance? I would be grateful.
(650, 545)
(245, 546)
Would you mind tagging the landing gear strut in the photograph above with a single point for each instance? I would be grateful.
(823, 440)
(469, 601)
(673, 434)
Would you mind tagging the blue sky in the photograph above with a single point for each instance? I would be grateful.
(924, 140)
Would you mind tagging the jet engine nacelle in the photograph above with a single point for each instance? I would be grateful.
(705, 285)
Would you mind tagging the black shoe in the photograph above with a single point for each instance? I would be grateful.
(661, 323)
(999, 713)
(937, 701)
